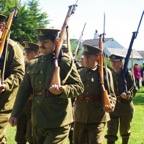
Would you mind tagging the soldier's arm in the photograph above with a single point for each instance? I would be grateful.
(110, 88)
(25, 90)
(73, 85)
(131, 86)
(17, 67)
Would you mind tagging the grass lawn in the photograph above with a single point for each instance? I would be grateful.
(137, 128)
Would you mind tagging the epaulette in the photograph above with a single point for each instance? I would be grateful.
(65, 55)
(12, 43)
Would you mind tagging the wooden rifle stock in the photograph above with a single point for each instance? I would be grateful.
(56, 74)
(105, 98)
(7, 29)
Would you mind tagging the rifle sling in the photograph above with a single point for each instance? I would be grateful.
(69, 72)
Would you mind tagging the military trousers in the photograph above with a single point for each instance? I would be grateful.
(51, 135)
(121, 120)
(89, 133)
(24, 126)
(4, 122)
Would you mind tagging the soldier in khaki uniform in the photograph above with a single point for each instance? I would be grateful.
(124, 109)
(90, 118)
(51, 107)
(24, 126)
(12, 71)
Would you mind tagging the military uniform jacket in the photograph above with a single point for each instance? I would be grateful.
(124, 105)
(52, 111)
(92, 111)
(14, 72)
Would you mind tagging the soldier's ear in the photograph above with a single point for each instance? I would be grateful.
(56, 41)
(97, 58)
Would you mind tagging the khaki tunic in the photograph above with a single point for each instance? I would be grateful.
(124, 109)
(14, 72)
(55, 110)
(90, 118)
(92, 112)
(13, 75)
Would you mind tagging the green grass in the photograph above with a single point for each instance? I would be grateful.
(137, 128)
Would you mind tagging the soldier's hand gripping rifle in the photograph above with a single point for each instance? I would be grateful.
(125, 69)
(77, 47)
(5, 36)
(56, 77)
(107, 107)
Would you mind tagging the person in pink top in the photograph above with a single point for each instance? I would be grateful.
(137, 75)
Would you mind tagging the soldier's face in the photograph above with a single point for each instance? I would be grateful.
(116, 65)
(30, 54)
(89, 61)
(1, 28)
(46, 46)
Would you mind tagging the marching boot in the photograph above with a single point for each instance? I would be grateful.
(125, 140)
(110, 142)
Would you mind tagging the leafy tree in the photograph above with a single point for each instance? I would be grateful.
(74, 43)
(28, 18)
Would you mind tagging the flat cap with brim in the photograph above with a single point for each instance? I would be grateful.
(91, 50)
(2, 18)
(114, 57)
(47, 33)
(29, 46)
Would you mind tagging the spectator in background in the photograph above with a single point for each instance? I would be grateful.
(137, 75)
(142, 74)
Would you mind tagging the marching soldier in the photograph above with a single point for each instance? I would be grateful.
(24, 126)
(51, 107)
(124, 109)
(12, 71)
(90, 118)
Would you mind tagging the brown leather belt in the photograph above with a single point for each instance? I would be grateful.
(88, 98)
(43, 93)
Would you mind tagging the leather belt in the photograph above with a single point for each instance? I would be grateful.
(88, 98)
(43, 93)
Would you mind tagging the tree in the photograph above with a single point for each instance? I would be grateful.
(29, 17)
(74, 43)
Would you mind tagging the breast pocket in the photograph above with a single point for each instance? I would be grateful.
(83, 78)
(35, 77)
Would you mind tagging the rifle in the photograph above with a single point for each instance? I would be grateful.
(5, 37)
(125, 69)
(68, 42)
(104, 29)
(77, 47)
(6, 32)
(105, 98)
(56, 77)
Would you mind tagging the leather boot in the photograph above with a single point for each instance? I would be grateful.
(125, 140)
(110, 142)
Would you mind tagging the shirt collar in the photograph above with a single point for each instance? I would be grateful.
(93, 69)
(46, 57)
